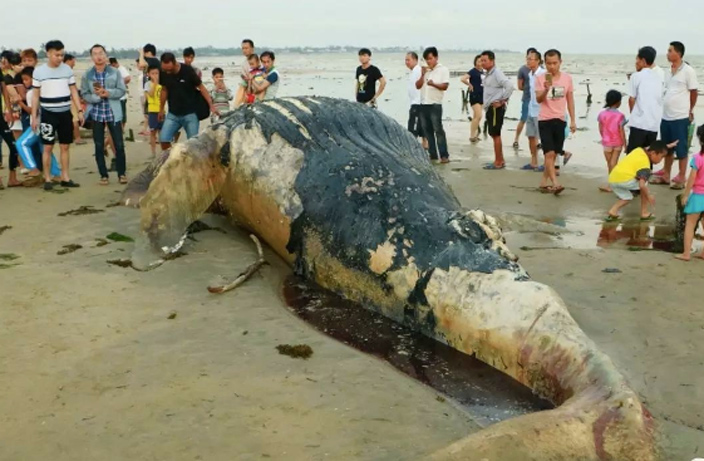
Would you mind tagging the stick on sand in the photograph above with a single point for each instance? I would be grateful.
(244, 276)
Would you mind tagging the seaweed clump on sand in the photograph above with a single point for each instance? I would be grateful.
(82, 210)
(4, 228)
(299, 351)
(117, 237)
(69, 249)
(8, 257)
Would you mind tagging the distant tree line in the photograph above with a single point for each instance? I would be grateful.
(210, 51)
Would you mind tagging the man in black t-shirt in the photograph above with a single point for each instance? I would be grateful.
(366, 78)
(180, 87)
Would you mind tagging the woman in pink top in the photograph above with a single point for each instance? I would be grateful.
(555, 94)
(693, 198)
(613, 135)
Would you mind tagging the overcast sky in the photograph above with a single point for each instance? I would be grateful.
(577, 26)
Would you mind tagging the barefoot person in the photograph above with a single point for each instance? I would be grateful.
(55, 91)
(103, 87)
(613, 136)
(631, 176)
(497, 91)
(474, 79)
(680, 98)
(554, 92)
(693, 198)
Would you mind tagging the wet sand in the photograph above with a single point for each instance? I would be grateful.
(92, 366)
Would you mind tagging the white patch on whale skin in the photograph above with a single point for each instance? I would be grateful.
(289, 116)
(298, 104)
(271, 168)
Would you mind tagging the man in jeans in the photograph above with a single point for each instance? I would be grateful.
(680, 98)
(179, 85)
(102, 87)
(433, 82)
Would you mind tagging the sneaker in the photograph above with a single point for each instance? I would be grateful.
(48, 186)
(68, 183)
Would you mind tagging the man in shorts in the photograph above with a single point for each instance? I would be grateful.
(54, 92)
(678, 113)
(532, 128)
(497, 90)
(523, 85)
(554, 92)
(645, 101)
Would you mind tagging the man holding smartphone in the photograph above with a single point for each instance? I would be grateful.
(554, 91)
(102, 88)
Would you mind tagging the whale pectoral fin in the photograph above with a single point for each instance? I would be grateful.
(186, 185)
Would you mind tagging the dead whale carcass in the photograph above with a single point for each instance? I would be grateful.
(350, 200)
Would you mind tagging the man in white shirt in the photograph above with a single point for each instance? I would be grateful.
(127, 78)
(414, 116)
(680, 98)
(532, 128)
(433, 82)
(645, 101)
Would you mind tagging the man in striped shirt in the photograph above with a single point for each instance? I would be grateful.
(54, 92)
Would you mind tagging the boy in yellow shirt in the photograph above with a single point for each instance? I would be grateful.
(152, 93)
(630, 178)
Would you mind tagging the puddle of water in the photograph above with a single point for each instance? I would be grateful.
(485, 393)
(584, 234)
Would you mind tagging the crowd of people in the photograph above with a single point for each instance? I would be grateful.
(660, 102)
(45, 104)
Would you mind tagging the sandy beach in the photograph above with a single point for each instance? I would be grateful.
(93, 367)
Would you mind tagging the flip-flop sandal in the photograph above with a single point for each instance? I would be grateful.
(659, 181)
(540, 169)
(546, 189)
(676, 185)
(611, 218)
(559, 190)
(491, 166)
(605, 189)
(528, 167)
(566, 158)
(650, 217)
(104, 182)
(19, 184)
